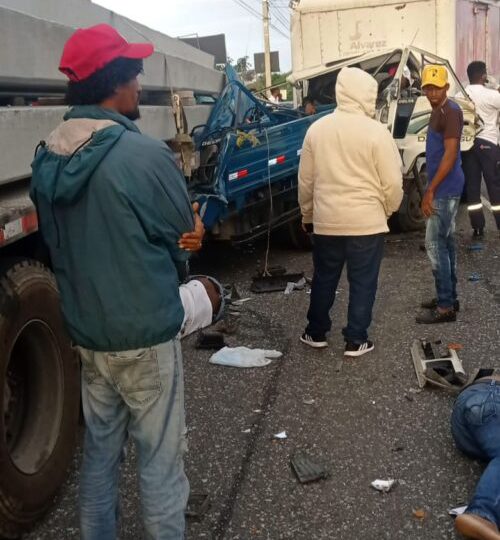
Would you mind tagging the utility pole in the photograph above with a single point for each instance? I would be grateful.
(267, 46)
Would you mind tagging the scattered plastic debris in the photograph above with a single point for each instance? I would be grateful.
(280, 435)
(474, 276)
(475, 247)
(240, 301)
(243, 357)
(306, 469)
(458, 511)
(309, 401)
(297, 286)
(420, 514)
(257, 411)
(383, 485)
(247, 430)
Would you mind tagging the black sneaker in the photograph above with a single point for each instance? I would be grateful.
(435, 317)
(313, 342)
(432, 304)
(358, 349)
(477, 233)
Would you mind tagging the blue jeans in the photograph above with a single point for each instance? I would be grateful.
(440, 245)
(362, 255)
(138, 393)
(475, 425)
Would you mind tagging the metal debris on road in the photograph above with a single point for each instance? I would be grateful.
(281, 435)
(306, 469)
(383, 485)
(457, 511)
(474, 276)
(440, 368)
(274, 281)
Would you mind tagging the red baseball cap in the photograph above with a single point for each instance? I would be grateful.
(90, 49)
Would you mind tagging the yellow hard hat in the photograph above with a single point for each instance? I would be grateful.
(436, 75)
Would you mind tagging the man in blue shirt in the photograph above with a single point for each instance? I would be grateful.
(441, 199)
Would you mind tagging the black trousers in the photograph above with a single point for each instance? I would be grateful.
(482, 161)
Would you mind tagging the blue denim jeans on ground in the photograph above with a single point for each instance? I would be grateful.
(475, 425)
(440, 245)
(138, 394)
(362, 255)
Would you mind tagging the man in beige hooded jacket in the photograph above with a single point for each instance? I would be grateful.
(350, 182)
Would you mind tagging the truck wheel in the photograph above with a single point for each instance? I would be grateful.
(410, 217)
(39, 395)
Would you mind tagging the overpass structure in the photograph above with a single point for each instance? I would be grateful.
(32, 36)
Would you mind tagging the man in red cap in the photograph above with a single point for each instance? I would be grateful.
(115, 213)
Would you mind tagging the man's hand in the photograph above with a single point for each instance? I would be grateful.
(193, 241)
(307, 228)
(427, 206)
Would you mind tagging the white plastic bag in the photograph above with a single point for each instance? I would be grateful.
(243, 357)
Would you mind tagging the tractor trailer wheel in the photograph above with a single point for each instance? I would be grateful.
(410, 217)
(39, 395)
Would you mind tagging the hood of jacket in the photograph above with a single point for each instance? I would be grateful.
(64, 164)
(356, 92)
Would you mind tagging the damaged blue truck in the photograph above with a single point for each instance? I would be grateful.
(248, 153)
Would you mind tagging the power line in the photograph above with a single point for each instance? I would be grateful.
(255, 13)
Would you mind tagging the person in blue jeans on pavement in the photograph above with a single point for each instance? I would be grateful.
(350, 182)
(441, 199)
(475, 425)
(115, 214)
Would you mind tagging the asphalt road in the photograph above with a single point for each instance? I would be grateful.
(367, 421)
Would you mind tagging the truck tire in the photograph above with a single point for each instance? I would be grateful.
(410, 217)
(39, 395)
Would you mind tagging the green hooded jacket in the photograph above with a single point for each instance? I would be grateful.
(112, 205)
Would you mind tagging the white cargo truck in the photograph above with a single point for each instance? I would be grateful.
(39, 372)
(325, 31)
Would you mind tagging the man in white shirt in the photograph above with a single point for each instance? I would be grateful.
(484, 158)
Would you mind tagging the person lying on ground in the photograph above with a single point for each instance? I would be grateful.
(475, 425)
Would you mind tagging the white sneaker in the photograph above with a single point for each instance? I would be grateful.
(316, 344)
(358, 349)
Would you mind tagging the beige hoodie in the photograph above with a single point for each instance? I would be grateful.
(350, 177)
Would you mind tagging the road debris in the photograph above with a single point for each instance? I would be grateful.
(475, 247)
(274, 281)
(243, 357)
(457, 511)
(298, 286)
(420, 514)
(306, 469)
(309, 401)
(383, 485)
(435, 366)
(474, 277)
(246, 430)
(281, 435)
(197, 505)
(241, 301)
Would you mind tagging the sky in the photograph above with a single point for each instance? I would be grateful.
(244, 33)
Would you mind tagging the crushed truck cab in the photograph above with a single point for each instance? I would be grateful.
(401, 105)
